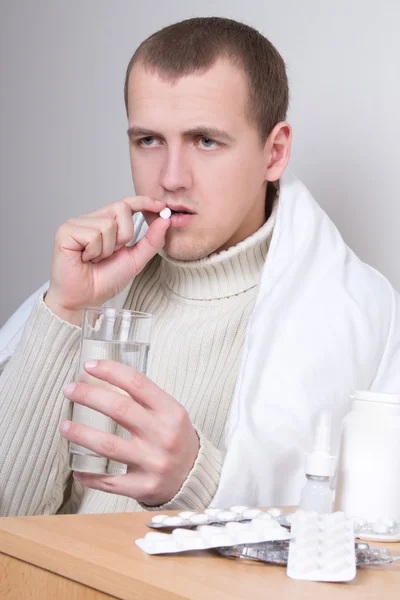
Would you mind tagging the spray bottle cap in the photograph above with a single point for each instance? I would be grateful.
(319, 462)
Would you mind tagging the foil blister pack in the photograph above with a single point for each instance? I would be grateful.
(261, 529)
(212, 516)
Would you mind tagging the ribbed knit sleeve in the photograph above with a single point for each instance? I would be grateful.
(33, 456)
(202, 482)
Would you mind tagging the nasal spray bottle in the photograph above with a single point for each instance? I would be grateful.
(317, 494)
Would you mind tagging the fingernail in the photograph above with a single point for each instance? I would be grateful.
(159, 201)
(91, 364)
(69, 389)
(77, 475)
(64, 427)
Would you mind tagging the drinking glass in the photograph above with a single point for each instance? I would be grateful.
(114, 334)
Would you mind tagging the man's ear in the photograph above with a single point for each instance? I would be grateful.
(277, 150)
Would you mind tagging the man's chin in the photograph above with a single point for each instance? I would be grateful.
(185, 250)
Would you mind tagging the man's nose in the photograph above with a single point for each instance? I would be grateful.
(175, 172)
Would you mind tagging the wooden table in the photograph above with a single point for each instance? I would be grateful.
(93, 557)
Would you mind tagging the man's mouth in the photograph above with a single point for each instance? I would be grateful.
(180, 210)
(181, 216)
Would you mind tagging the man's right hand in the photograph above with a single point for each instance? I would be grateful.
(91, 263)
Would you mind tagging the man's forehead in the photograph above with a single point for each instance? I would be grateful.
(221, 85)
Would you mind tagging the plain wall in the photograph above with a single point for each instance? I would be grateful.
(63, 143)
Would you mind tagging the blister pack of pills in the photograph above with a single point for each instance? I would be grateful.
(377, 531)
(261, 529)
(322, 547)
(277, 553)
(211, 516)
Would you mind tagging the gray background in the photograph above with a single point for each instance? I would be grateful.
(63, 146)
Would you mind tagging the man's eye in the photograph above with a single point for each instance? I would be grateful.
(208, 142)
(146, 141)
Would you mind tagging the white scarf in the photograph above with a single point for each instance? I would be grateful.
(324, 324)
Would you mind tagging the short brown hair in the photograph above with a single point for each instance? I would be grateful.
(195, 45)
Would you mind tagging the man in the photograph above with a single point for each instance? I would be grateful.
(262, 315)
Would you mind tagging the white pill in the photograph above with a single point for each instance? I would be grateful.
(207, 531)
(192, 544)
(155, 535)
(167, 547)
(172, 521)
(390, 523)
(226, 515)
(250, 513)
(264, 517)
(381, 528)
(238, 509)
(274, 512)
(159, 518)
(198, 519)
(165, 213)
(184, 533)
(186, 514)
(212, 511)
(221, 539)
(235, 526)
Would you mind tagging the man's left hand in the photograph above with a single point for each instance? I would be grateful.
(163, 445)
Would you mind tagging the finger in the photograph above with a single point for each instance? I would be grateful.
(105, 444)
(136, 384)
(135, 484)
(86, 240)
(119, 407)
(144, 250)
(108, 229)
(134, 203)
(121, 213)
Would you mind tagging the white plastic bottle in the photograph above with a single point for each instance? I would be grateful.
(368, 480)
(317, 494)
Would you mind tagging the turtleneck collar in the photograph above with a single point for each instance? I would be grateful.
(222, 274)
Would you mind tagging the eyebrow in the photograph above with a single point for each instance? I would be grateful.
(205, 131)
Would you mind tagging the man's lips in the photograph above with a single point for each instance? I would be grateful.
(180, 208)
(181, 220)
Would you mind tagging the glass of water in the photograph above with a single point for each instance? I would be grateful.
(113, 334)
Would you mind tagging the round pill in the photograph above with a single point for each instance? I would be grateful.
(212, 511)
(250, 513)
(380, 528)
(209, 530)
(390, 523)
(184, 533)
(159, 518)
(155, 535)
(172, 521)
(186, 514)
(192, 543)
(238, 509)
(226, 515)
(165, 213)
(198, 519)
(274, 512)
(235, 526)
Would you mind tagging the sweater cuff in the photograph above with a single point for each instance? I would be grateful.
(201, 484)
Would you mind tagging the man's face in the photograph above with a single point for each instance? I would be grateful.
(192, 146)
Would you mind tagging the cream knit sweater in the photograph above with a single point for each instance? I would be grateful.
(201, 310)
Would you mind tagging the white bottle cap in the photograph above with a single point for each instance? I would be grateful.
(319, 462)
